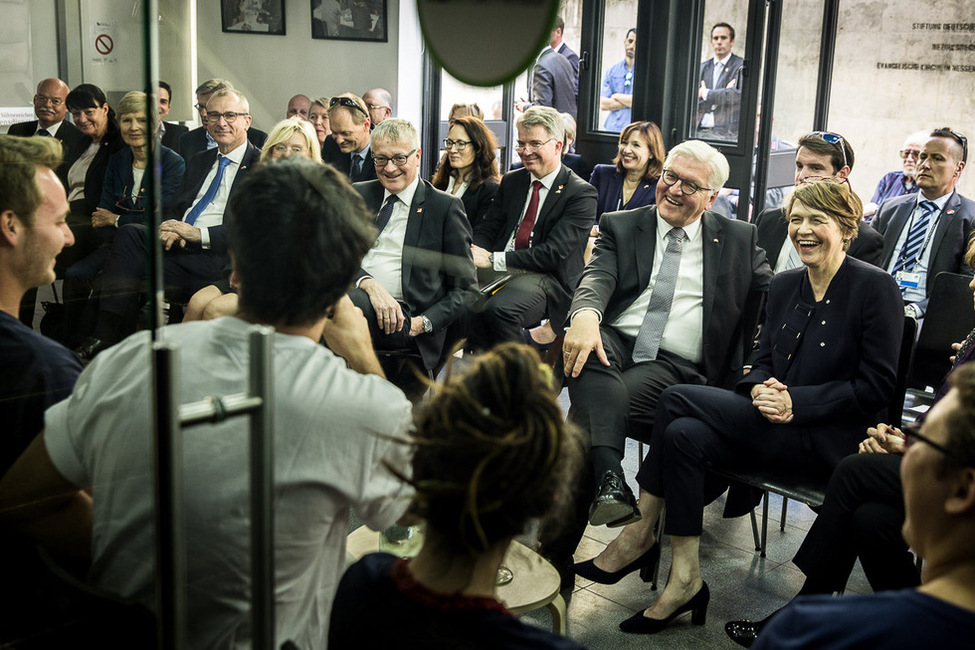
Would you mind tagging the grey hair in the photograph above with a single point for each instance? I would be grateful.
(230, 92)
(397, 130)
(705, 153)
(211, 86)
(544, 116)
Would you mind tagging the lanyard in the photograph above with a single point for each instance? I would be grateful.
(932, 224)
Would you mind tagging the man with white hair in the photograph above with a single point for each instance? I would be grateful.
(670, 297)
(900, 182)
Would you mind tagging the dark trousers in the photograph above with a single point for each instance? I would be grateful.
(861, 517)
(77, 287)
(400, 340)
(696, 427)
(618, 401)
(185, 271)
(521, 303)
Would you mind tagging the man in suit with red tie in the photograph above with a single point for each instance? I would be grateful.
(194, 239)
(535, 232)
(719, 96)
(414, 281)
(928, 232)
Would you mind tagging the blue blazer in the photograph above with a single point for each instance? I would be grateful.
(117, 188)
(609, 184)
(838, 357)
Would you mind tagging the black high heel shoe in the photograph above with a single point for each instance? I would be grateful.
(697, 605)
(745, 633)
(645, 563)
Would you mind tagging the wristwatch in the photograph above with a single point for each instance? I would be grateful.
(427, 325)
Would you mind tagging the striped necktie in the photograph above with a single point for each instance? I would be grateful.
(915, 237)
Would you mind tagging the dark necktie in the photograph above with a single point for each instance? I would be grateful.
(524, 235)
(385, 213)
(44, 132)
(915, 237)
(210, 193)
(658, 311)
(356, 171)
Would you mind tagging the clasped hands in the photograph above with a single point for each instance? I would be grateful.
(772, 400)
(174, 231)
(883, 439)
(389, 313)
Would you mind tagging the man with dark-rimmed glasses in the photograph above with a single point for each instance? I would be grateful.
(194, 236)
(928, 232)
(347, 148)
(820, 154)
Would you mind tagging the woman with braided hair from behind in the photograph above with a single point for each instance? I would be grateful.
(493, 451)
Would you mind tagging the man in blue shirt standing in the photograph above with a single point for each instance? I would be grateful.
(616, 95)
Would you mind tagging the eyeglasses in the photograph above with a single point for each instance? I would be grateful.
(627, 79)
(53, 101)
(912, 433)
(348, 103)
(687, 187)
(459, 144)
(376, 107)
(834, 139)
(201, 108)
(283, 148)
(229, 116)
(532, 146)
(909, 153)
(399, 160)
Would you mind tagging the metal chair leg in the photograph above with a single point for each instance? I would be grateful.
(764, 521)
(758, 543)
(785, 511)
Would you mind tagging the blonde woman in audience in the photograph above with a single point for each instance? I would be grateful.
(492, 453)
(291, 137)
(318, 116)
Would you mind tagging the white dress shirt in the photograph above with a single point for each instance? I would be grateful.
(384, 261)
(684, 332)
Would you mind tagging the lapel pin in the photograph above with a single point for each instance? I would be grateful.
(419, 210)
(715, 240)
(559, 191)
(952, 211)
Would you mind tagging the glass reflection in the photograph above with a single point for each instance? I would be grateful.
(719, 90)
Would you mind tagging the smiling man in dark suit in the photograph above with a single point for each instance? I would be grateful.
(414, 281)
(671, 296)
(535, 231)
(199, 139)
(719, 95)
(928, 232)
(347, 148)
(50, 109)
(824, 155)
(194, 238)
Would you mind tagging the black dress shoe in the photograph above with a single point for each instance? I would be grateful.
(744, 633)
(644, 563)
(697, 606)
(90, 348)
(614, 504)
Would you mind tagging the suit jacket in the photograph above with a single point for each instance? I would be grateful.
(197, 169)
(95, 177)
(561, 227)
(194, 142)
(609, 183)
(773, 231)
(343, 161)
(724, 102)
(117, 188)
(573, 58)
(554, 83)
(736, 278)
(73, 142)
(172, 135)
(951, 237)
(438, 268)
(838, 357)
(478, 201)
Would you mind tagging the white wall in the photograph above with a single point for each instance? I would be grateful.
(271, 69)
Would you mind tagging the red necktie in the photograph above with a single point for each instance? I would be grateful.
(528, 221)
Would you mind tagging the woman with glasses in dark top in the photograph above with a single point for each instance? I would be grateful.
(863, 513)
(825, 367)
(469, 166)
(492, 453)
(123, 200)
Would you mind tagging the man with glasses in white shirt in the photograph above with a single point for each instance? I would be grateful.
(535, 234)
(194, 239)
(413, 282)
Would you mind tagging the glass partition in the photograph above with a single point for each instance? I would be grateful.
(615, 61)
(719, 88)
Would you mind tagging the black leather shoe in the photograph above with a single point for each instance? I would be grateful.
(744, 633)
(614, 504)
(644, 563)
(697, 605)
(90, 348)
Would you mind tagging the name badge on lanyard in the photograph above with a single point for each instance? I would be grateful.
(908, 280)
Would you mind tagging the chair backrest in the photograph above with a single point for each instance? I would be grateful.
(949, 318)
(905, 359)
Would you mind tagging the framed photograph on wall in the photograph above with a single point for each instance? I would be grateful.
(349, 20)
(253, 16)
